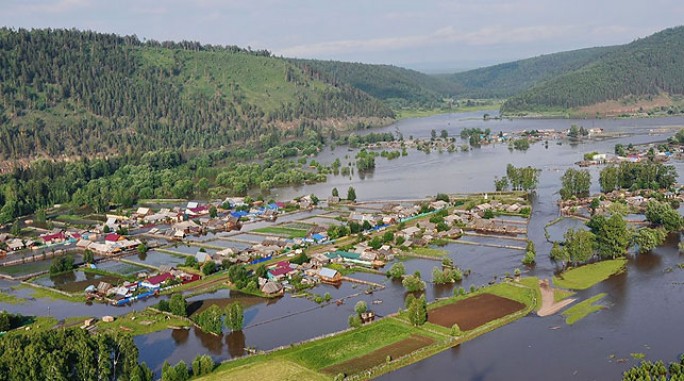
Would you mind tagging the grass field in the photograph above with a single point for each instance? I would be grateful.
(142, 322)
(282, 231)
(355, 343)
(583, 277)
(278, 369)
(559, 294)
(320, 354)
(367, 347)
(583, 309)
(428, 252)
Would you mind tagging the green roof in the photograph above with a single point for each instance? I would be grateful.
(343, 254)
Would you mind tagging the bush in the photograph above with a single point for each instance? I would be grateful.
(413, 283)
(397, 271)
(202, 365)
(178, 305)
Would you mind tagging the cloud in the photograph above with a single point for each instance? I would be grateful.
(447, 35)
(60, 6)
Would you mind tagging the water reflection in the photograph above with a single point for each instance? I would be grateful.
(236, 342)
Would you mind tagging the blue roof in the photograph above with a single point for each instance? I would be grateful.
(328, 273)
(272, 206)
(239, 214)
(318, 237)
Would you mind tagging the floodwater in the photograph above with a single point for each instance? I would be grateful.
(644, 305)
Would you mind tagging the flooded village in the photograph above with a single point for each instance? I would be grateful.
(311, 255)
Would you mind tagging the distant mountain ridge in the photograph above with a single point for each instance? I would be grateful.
(647, 73)
(508, 79)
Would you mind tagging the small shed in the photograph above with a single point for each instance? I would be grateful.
(328, 275)
(272, 288)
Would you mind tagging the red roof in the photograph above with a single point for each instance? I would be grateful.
(112, 237)
(199, 210)
(157, 279)
(191, 278)
(282, 268)
(53, 237)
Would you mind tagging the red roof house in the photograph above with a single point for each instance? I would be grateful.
(113, 237)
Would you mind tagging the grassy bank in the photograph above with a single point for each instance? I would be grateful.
(365, 349)
(583, 309)
(143, 322)
(583, 277)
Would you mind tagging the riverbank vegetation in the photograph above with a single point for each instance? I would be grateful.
(583, 309)
(583, 277)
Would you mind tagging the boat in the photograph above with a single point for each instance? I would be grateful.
(377, 301)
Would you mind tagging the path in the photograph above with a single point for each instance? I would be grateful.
(549, 307)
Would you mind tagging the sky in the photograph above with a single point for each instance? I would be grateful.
(427, 35)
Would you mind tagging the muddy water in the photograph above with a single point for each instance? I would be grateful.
(644, 305)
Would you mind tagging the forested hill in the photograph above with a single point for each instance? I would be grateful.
(508, 79)
(395, 85)
(67, 92)
(648, 70)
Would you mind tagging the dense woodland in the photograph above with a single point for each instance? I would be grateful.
(395, 85)
(508, 79)
(644, 68)
(70, 354)
(72, 93)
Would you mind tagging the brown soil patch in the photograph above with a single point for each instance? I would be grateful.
(473, 312)
(625, 106)
(379, 356)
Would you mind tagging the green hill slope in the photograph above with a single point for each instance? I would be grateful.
(647, 72)
(395, 85)
(66, 93)
(508, 79)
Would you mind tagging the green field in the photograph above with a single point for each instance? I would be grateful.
(428, 252)
(583, 309)
(142, 323)
(308, 361)
(277, 369)
(583, 277)
(282, 231)
(356, 343)
(318, 354)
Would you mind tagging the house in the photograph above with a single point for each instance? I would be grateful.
(187, 227)
(439, 204)
(272, 288)
(141, 212)
(328, 275)
(113, 237)
(281, 270)
(227, 252)
(53, 238)
(347, 257)
(319, 259)
(410, 232)
(156, 281)
(15, 244)
(202, 257)
(155, 218)
(389, 220)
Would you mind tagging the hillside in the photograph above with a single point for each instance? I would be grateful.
(68, 93)
(645, 74)
(508, 79)
(394, 85)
